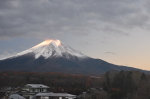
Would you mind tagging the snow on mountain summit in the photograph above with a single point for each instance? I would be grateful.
(56, 48)
(52, 48)
(47, 42)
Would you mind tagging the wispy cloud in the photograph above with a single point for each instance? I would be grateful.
(110, 53)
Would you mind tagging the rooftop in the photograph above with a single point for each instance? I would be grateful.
(36, 86)
(56, 94)
(16, 96)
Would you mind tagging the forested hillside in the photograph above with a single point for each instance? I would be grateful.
(58, 82)
(111, 85)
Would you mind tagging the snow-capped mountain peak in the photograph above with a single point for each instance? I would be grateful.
(52, 48)
(48, 42)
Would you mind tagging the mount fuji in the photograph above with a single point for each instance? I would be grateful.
(51, 48)
(55, 56)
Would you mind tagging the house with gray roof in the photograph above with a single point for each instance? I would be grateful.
(35, 88)
(39, 91)
(16, 96)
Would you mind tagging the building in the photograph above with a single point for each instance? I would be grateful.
(35, 88)
(30, 90)
(39, 91)
(54, 96)
(16, 96)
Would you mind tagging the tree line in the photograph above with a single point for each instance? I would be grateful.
(111, 85)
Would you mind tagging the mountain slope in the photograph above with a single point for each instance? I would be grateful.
(54, 56)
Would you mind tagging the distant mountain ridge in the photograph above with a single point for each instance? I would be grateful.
(55, 56)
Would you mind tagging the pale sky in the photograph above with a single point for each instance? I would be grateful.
(116, 31)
